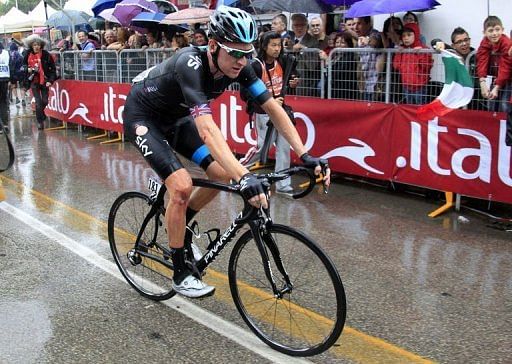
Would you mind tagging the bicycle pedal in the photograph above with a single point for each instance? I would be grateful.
(134, 257)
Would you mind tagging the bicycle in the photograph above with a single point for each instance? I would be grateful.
(284, 286)
(6, 149)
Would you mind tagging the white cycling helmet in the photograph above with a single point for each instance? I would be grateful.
(232, 25)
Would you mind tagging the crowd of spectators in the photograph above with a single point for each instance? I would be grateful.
(360, 73)
(354, 58)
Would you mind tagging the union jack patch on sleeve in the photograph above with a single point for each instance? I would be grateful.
(198, 110)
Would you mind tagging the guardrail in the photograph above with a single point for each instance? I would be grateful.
(347, 74)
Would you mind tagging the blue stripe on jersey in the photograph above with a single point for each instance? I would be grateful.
(257, 88)
(201, 153)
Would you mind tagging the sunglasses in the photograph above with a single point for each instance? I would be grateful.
(237, 53)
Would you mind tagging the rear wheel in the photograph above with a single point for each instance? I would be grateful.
(6, 149)
(310, 315)
(144, 266)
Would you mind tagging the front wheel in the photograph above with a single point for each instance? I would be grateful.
(307, 316)
(143, 265)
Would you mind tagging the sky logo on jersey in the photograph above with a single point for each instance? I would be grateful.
(194, 62)
(198, 110)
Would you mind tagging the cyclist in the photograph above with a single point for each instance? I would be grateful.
(168, 111)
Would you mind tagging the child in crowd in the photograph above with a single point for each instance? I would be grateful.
(414, 68)
(493, 64)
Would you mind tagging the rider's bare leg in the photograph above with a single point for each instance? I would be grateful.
(179, 187)
(202, 196)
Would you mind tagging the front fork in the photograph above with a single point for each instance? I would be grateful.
(265, 240)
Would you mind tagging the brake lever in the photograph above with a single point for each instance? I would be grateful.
(322, 175)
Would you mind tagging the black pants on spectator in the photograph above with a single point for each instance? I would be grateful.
(4, 102)
(40, 93)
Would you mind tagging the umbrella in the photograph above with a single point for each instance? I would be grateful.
(107, 15)
(101, 5)
(188, 16)
(340, 2)
(153, 21)
(65, 18)
(165, 6)
(292, 6)
(374, 7)
(126, 10)
(97, 23)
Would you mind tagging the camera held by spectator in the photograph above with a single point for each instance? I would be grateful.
(34, 72)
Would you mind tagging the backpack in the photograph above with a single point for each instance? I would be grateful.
(16, 64)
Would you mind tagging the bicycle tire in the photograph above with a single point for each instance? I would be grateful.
(317, 299)
(6, 150)
(149, 277)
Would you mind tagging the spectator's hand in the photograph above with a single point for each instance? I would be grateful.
(298, 47)
(494, 93)
(323, 56)
(48, 84)
(279, 100)
(418, 47)
(484, 90)
(440, 46)
(294, 81)
(320, 165)
(363, 41)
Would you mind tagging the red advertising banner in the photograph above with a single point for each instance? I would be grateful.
(95, 104)
(462, 152)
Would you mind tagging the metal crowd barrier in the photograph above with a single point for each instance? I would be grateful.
(348, 73)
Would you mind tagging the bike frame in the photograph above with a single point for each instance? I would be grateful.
(252, 216)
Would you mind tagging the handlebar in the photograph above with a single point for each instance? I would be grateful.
(274, 177)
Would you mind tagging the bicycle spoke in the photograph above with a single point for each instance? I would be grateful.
(309, 317)
(147, 275)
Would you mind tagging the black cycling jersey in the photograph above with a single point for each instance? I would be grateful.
(160, 108)
(183, 85)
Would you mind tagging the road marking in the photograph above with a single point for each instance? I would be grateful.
(181, 305)
(353, 344)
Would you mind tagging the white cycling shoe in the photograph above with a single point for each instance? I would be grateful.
(192, 287)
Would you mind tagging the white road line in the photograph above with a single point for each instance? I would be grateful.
(185, 307)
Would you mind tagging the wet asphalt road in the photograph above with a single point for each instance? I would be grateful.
(418, 289)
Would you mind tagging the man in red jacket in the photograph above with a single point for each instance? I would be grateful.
(493, 64)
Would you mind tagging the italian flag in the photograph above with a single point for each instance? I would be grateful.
(457, 90)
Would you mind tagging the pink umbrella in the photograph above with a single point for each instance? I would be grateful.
(187, 16)
(126, 10)
(107, 15)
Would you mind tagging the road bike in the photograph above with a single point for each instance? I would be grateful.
(285, 287)
(6, 150)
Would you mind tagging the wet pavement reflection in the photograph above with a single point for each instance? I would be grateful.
(417, 287)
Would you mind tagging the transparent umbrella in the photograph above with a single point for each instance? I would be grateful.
(67, 18)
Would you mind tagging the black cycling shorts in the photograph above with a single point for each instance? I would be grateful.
(158, 145)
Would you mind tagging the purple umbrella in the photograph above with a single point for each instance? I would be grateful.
(340, 2)
(126, 10)
(374, 7)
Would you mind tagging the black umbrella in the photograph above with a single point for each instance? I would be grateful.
(292, 6)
